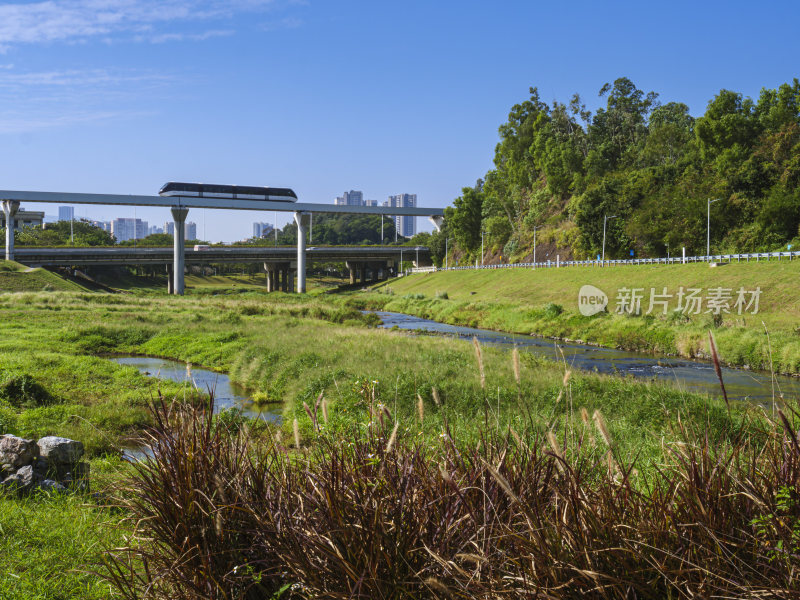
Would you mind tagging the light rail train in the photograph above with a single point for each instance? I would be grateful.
(240, 192)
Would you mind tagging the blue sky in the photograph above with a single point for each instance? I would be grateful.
(120, 96)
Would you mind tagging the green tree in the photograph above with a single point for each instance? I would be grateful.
(465, 218)
(65, 233)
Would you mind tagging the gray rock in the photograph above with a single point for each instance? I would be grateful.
(48, 485)
(59, 450)
(16, 451)
(23, 481)
(28, 477)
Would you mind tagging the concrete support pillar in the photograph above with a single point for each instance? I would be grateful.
(285, 279)
(270, 270)
(179, 251)
(353, 269)
(301, 219)
(374, 267)
(10, 208)
(170, 281)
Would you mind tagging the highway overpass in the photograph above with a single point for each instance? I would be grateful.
(180, 205)
(280, 264)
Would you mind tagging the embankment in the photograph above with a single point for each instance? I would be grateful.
(545, 302)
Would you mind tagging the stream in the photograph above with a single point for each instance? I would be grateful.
(688, 374)
(226, 393)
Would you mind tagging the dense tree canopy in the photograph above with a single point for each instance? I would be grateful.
(64, 233)
(330, 229)
(560, 169)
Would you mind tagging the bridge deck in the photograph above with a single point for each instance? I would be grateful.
(145, 256)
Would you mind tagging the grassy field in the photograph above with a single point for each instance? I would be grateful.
(545, 302)
(287, 349)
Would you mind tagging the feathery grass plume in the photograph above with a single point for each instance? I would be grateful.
(325, 410)
(387, 412)
(587, 424)
(296, 428)
(600, 422)
(437, 586)
(445, 474)
(310, 416)
(435, 394)
(474, 559)
(420, 409)
(479, 357)
(502, 481)
(567, 375)
(553, 441)
(218, 523)
(515, 362)
(393, 437)
(713, 346)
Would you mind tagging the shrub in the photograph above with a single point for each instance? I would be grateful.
(23, 391)
(552, 310)
(442, 296)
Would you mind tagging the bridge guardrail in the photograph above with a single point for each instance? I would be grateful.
(672, 260)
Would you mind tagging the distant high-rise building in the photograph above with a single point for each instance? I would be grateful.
(351, 198)
(370, 203)
(154, 229)
(66, 213)
(190, 230)
(405, 225)
(128, 229)
(262, 229)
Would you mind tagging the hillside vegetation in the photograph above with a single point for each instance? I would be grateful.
(560, 169)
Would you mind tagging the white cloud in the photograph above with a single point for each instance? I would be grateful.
(193, 37)
(15, 123)
(60, 98)
(65, 20)
(77, 78)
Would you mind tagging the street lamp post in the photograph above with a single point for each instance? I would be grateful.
(606, 218)
(446, 240)
(708, 225)
(481, 247)
(534, 245)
